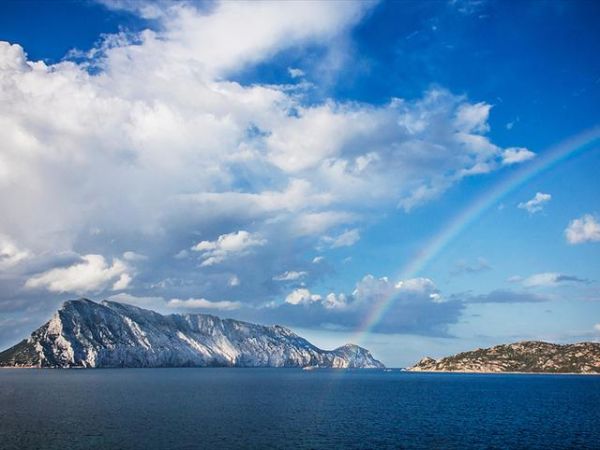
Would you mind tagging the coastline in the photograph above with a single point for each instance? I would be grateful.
(399, 369)
(204, 367)
(477, 372)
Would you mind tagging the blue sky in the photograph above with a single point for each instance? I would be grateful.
(285, 162)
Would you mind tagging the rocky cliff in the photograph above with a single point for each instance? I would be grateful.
(83, 333)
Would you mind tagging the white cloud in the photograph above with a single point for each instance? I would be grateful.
(473, 117)
(145, 9)
(91, 274)
(310, 224)
(202, 303)
(234, 280)
(291, 275)
(122, 283)
(412, 306)
(584, 229)
(548, 279)
(339, 301)
(540, 279)
(536, 204)
(302, 296)
(186, 148)
(416, 285)
(133, 256)
(371, 289)
(321, 149)
(516, 155)
(266, 28)
(318, 259)
(10, 254)
(295, 72)
(368, 291)
(227, 245)
(345, 239)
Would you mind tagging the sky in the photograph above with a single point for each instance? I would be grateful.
(419, 178)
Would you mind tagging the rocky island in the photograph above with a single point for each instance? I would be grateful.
(83, 333)
(527, 356)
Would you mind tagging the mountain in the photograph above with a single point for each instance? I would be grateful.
(83, 333)
(527, 356)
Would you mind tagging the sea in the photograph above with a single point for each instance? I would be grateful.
(208, 408)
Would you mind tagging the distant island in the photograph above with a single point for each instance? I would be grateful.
(527, 356)
(83, 333)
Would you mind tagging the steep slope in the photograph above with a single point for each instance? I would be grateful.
(527, 356)
(83, 333)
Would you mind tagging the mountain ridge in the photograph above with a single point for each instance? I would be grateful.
(83, 333)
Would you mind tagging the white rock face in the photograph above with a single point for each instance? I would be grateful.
(109, 334)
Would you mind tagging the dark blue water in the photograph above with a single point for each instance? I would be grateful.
(288, 408)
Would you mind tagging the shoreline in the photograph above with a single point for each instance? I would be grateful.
(476, 372)
(201, 367)
(399, 369)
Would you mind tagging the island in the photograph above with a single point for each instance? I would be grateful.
(520, 357)
(86, 334)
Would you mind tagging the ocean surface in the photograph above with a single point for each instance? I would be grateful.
(291, 409)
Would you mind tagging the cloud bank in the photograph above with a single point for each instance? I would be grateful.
(146, 147)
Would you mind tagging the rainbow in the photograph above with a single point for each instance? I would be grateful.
(460, 222)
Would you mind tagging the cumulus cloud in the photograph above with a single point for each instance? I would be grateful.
(191, 152)
(122, 283)
(91, 274)
(473, 117)
(201, 303)
(234, 280)
(290, 275)
(346, 239)
(209, 144)
(10, 254)
(295, 72)
(238, 243)
(133, 256)
(302, 296)
(516, 155)
(536, 204)
(316, 223)
(583, 229)
(548, 279)
(412, 306)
